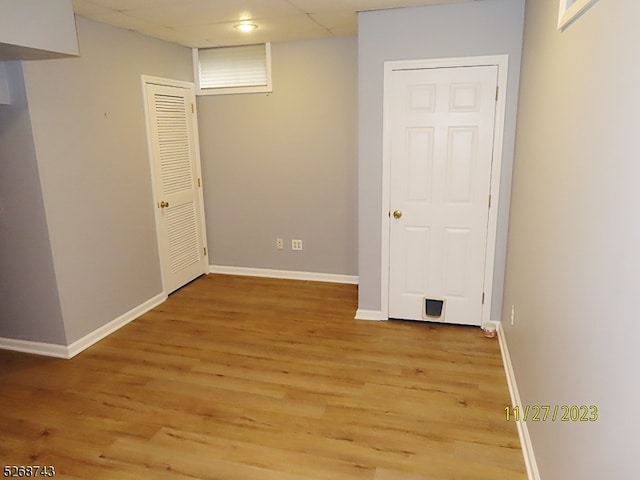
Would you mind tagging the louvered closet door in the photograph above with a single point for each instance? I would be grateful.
(175, 159)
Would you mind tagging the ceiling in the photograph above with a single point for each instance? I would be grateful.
(210, 23)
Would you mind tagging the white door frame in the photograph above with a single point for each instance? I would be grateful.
(167, 82)
(502, 62)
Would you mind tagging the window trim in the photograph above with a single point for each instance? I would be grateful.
(268, 88)
(571, 10)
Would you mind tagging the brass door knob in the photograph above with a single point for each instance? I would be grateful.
(397, 214)
(164, 204)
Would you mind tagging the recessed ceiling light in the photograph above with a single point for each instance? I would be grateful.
(245, 27)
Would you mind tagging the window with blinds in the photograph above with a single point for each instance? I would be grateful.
(237, 69)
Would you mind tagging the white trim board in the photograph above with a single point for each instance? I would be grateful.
(523, 430)
(375, 315)
(36, 348)
(285, 274)
(502, 62)
(70, 351)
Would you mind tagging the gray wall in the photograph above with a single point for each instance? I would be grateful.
(284, 164)
(37, 29)
(573, 266)
(89, 132)
(5, 94)
(29, 304)
(490, 27)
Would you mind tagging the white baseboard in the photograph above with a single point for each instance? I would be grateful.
(523, 430)
(369, 315)
(490, 325)
(116, 324)
(64, 351)
(37, 348)
(285, 274)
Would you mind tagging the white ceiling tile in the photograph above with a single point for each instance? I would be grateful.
(210, 22)
(87, 8)
(180, 37)
(118, 19)
(202, 12)
(276, 29)
(131, 4)
(298, 27)
(320, 6)
(338, 23)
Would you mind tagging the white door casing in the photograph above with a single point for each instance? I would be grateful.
(442, 151)
(175, 164)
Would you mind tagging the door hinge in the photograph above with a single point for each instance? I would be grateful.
(205, 251)
(198, 182)
(193, 108)
(489, 200)
(497, 92)
(483, 298)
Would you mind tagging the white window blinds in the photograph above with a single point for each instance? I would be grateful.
(237, 69)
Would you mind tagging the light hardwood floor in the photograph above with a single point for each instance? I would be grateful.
(238, 378)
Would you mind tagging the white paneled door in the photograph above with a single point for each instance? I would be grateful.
(441, 134)
(175, 161)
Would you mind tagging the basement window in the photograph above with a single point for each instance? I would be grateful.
(229, 70)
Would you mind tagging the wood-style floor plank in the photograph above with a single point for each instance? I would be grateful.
(239, 378)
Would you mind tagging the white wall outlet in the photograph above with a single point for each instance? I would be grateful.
(296, 244)
(279, 243)
(513, 314)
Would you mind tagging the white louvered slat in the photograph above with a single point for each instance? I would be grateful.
(174, 146)
(183, 237)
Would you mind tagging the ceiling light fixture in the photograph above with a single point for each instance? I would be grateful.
(245, 27)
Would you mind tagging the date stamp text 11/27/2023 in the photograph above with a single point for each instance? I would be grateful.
(553, 413)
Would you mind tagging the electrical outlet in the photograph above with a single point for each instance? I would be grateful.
(513, 314)
(296, 244)
(279, 243)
